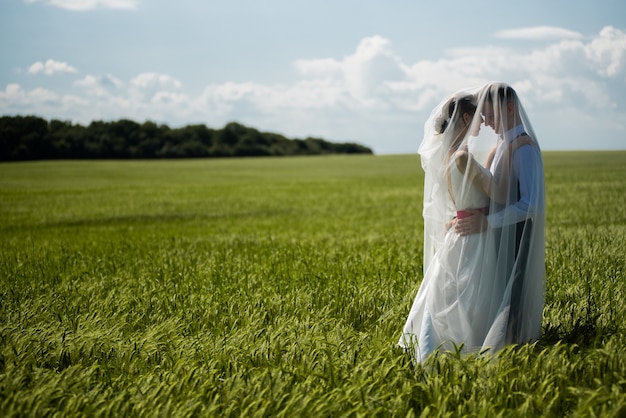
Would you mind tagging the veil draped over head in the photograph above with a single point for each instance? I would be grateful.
(434, 152)
(517, 210)
(503, 159)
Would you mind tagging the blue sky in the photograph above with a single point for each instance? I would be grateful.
(344, 70)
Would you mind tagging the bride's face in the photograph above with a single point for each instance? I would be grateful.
(476, 123)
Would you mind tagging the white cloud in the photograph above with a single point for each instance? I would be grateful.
(364, 75)
(15, 98)
(104, 85)
(165, 98)
(153, 87)
(150, 80)
(104, 81)
(84, 5)
(538, 33)
(608, 51)
(374, 86)
(326, 67)
(51, 67)
(372, 95)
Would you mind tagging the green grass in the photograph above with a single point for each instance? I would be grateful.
(279, 287)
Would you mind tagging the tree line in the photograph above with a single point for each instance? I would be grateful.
(34, 138)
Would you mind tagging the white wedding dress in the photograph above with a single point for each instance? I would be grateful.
(459, 302)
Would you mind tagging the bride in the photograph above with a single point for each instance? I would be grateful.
(460, 302)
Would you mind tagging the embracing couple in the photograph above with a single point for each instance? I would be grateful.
(484, 227)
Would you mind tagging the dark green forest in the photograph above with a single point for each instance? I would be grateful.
(34, 138)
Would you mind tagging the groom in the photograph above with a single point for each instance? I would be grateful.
(517, 216)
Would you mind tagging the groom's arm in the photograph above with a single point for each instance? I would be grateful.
(529, 171)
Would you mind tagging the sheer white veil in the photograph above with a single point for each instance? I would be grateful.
(502, 140)
(440, 134)
(517, 209)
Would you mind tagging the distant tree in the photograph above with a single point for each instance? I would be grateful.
(23, 138)
(66, 140)
(151, 140)
(229, 136)
(31, 137)
(351, 148)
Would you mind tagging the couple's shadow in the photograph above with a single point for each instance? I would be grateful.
(586, 332)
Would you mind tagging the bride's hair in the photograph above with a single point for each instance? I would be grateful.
(465, 105)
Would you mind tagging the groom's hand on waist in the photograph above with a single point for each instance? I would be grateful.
(473, 224)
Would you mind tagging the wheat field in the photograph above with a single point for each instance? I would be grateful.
(278, 287)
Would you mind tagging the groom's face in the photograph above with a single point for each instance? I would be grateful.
(489, 116)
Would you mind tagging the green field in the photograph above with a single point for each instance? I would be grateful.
(279, 287)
